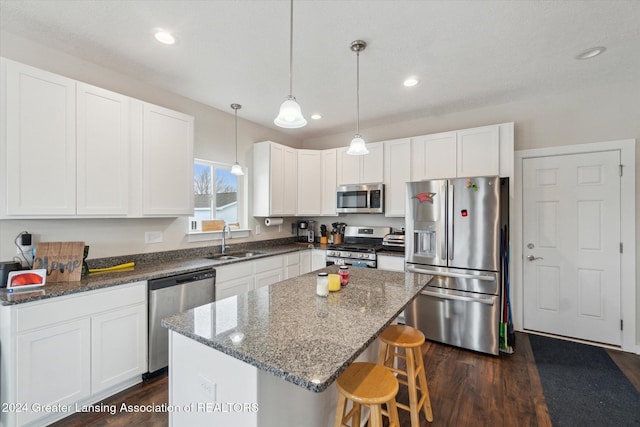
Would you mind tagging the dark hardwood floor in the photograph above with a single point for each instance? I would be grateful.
(466, 389)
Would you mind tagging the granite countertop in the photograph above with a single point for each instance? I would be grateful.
(154, 266)
(287, 330)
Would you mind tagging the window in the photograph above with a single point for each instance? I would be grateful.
(218, 195)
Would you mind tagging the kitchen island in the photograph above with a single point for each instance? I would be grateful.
(271, 356)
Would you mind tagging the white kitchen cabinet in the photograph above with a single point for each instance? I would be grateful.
(76, 150)
(309, 182)
(103, 143)
(361, 169)
(397, 172)
(478, 151)
(167, 163)
(329, 183)
(433, 156)
(274, 179)
(67, 346)
(71, 349)
(118, 346)
(40, 146)
(482, 151)
(234, 279)
(305, 262)
(318, 259)
(390, 262)
(291, 265)
(268, 271)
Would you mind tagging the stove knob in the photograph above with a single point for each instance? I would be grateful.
(359, 255)
(347, 254)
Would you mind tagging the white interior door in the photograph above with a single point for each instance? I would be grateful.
(571, 245)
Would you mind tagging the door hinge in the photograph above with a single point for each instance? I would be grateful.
(621, 248)
(620, 166)
(621, 328)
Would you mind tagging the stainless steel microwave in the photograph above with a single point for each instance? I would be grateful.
(360, 198)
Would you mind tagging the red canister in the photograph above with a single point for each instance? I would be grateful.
(344, 275)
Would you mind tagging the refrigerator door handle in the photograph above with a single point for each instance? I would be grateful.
(448, 274)
(442, 233)
(487, 301)
(450, 247)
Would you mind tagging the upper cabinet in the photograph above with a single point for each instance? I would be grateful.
(275, 179)
(40, 123)
(167, 162)
(397, 158)
(72, 149)
(328, 185)
(309, 182)
(102, 144)
(361, 169)
(482, 151)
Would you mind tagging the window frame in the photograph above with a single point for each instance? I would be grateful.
(243, 206)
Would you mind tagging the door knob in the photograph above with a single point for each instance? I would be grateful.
(533, 258)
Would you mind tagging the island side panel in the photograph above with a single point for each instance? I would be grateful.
(207, 387)
(286, 404)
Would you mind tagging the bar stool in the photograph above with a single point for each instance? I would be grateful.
(371, 385)
(410, 339)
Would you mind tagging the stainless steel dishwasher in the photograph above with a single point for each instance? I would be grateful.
(171, 295)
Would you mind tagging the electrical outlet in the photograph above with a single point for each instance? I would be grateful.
(153, 237)
(258, 229)
(208, 387)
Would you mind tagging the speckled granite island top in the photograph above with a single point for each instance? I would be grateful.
(288, 331)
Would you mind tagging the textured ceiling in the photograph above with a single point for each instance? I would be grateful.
(467, 53)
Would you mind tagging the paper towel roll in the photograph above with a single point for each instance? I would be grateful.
(273, 221)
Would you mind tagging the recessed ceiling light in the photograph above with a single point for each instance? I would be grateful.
(164, 37)
(411, 81)
(590, 53)
(316, 116)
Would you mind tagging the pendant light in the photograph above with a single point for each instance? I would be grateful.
(290, 115)
(357, 147)
(236, 169)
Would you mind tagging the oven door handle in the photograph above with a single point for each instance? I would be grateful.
(448, 274)
(487, 301)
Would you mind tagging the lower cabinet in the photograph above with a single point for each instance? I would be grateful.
(116, 350)
(390, 262)
(318, 259)
(305, 262)
(53, 366)
(76, 349)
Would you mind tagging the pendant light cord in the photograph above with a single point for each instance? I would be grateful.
(291, 50)
(236, 121)
(358, 92)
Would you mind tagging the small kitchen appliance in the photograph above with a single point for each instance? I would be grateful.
(453, 229)
(7, 267)
(360, 198)
(359, 247)
(304, 230)
(394, 241)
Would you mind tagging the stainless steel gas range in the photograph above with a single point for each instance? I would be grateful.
(360, 247)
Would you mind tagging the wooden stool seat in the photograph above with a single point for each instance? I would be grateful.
(370, 385)
(410, 340)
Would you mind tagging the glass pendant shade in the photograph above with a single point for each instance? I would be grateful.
(290, 115)
(357, 147)
(236, 169)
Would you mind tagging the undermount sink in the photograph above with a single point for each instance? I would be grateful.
(232, 256)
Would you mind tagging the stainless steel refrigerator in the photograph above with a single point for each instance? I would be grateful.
(453, 232)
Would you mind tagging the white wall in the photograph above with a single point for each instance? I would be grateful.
(214, 140)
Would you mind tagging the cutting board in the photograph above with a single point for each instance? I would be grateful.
(62, 260)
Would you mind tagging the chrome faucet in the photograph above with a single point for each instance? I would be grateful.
(226, 229)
